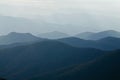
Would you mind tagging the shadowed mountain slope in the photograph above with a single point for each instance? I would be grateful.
(23, 62)
(104, 68)
(108, 43)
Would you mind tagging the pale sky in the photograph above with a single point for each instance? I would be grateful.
(48, 7)
(74, 16)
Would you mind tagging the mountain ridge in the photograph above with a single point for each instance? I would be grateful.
(103, 44)
(38, 58)
(104, 68)
(53, 35)
(99, 35)
(15, 37)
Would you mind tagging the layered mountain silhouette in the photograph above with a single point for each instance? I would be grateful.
(84, 35)
(24, 62)
(53, 35)
(15, 37)
(104, 68)
(99, 35)
(24, 56)
(108, 43)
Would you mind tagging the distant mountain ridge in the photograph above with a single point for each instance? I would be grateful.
(15, 37)
(108, 43)
(53, 35)
(84, 35)
(99, 35)
(58, 55)
(105, 43)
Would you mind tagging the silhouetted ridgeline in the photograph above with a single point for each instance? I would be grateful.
(108, 43)
(55, 45)
(85, 35)
(23, 62)
(104, 68)
(99, 35)
(27, 57)
(14, 37)
(18, 39)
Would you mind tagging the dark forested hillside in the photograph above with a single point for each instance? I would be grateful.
(23, 62)
(104, 68)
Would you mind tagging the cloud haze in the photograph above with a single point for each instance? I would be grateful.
(71, 16)
(40, 7)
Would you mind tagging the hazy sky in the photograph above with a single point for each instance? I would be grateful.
(66, 12)
(48, 7)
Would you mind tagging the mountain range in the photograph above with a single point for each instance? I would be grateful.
(59, 22)
(24, 56)
(24, 62)
(17, 39)
(14, 37)
(104, 68)
(99, 35)
(85, 35)
(108, 43)
(53, 35)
